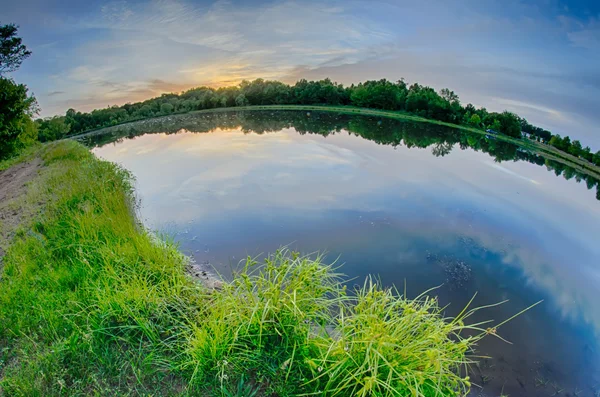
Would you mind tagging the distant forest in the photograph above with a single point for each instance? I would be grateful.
(382, 94)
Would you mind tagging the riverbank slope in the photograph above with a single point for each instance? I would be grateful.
(92, 304)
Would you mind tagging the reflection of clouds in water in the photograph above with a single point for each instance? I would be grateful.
(229, 142)
(145, 150)
(215, 176)
(283, 175)
(509, 172)
(211, 175)
(320, 159)
(574, 293)
(246, 172)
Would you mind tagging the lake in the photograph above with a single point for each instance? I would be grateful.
(415, 204)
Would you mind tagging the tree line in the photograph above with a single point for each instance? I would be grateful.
(381, 94)
(18, 108)
(376, 94)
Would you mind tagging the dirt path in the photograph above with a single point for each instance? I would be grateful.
(13, 186)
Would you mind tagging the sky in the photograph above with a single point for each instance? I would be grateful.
(537, 58)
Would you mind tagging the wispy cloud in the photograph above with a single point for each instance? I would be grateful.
(182, 44)
(582, 33)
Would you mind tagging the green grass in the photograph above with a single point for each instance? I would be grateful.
(87, 300)
(92, 304)
(23, 155)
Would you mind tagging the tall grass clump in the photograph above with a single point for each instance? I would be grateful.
(262, 324)
(92, 304)
(388, 345)
(289, 328)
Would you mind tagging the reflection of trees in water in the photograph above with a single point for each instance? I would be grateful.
(382, 131)
(440, 149)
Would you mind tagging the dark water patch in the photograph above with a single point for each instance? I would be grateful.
(458, 272)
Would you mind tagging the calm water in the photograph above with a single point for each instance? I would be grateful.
(405, 201)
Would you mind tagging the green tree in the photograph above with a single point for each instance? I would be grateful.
(381, 94)
(16, 109)
(448, 95)
(556, 141)
(495, 125)
(575, 149)
(509, 124)
(12, 49)
(241, 100)
(318, 92)
(52, 129)
(145, 111)
(586, 153)
(596, 158)
(166, 108)
(16, 105)
(475, 120)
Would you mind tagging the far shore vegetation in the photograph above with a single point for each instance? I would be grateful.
(393, 99)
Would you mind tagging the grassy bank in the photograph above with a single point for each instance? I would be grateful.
(92, 304)
(87, 300)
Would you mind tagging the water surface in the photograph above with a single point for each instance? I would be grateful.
(412, 203)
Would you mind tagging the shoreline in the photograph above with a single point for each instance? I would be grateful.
(544, 150)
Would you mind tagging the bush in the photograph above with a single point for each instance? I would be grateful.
(16, 109)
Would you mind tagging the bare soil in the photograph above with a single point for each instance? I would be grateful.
(13, 187)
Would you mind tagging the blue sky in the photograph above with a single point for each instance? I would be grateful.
(540, 59)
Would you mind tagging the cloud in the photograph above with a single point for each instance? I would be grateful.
(117, 11)
(54, 93)
(587, 38)
(584, 34)
(531, 107)
(138, 50)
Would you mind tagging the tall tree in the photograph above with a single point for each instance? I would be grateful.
(16, 106)
(52, 129)
(448, 95)
(16, 109)
(12, 49)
